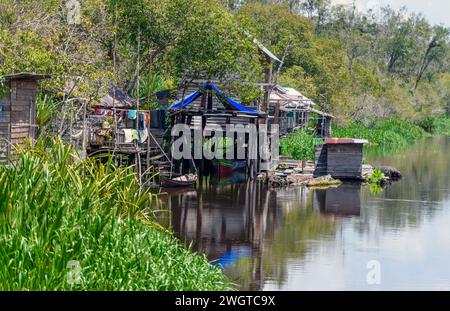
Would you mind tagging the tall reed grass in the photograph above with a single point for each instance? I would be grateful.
(72, 224)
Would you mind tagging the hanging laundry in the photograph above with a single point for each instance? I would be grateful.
(128, 135)
(135, 135)
(131, 135)
(141, 121)
(99, 112)
(103, 112)
(143, 136)
(132, 114)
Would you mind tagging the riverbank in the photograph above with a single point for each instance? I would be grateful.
(68, 224)
(382, 134)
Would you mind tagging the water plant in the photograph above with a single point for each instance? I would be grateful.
(377, 177)
(441, 126)
(60, 214)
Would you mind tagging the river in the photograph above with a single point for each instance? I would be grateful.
(349, 238)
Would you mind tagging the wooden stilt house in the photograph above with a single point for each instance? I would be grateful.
(207, 109)
(119, 126)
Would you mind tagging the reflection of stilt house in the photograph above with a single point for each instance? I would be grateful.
(18, 111)
(293, 111)
(228, 223)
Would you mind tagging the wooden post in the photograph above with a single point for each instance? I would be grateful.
(276, 119)
(84, 138)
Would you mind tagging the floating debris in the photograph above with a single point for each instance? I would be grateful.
(323, 181)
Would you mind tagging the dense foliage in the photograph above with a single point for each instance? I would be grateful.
(59, 214)
(299, 145)
(353, 64)
(391, 133)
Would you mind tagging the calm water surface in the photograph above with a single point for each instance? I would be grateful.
(299, 239)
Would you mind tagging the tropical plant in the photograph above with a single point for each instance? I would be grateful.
(60, 214)
(46, 108)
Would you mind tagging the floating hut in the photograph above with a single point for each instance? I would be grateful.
(340, 158)
(18, 111)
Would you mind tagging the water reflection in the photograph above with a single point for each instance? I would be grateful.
(342, 201)
(299, 239)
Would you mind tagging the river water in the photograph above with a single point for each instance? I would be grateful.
(349, 238)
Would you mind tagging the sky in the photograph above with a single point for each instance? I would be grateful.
(436, 11)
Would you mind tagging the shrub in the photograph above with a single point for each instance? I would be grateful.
(299, 145)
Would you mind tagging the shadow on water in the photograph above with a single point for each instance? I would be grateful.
(300, 239)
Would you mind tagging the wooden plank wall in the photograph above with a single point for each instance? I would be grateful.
(345, 160)
(23, 110)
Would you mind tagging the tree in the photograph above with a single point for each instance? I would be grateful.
(188, 38)
(436, 51)
(316, 9)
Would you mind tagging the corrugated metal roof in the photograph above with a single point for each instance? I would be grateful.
(266, 50)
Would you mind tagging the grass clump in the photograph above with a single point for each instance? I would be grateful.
(72, 224)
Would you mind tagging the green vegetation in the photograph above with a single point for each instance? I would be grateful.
(377, 177)
(354, 65)
(438, 126)
(299, 145)
(376, 182)
(385, 134)
(56, 208)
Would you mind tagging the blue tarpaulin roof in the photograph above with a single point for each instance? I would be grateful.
(228, 101)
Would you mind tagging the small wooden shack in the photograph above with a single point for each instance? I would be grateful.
(18, 110)
(340, 158)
